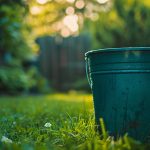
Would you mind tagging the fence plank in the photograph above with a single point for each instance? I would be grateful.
(62, 60)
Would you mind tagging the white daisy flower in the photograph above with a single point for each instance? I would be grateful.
(48, 125)
(6, 140)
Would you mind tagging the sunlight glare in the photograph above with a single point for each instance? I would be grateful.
(71, 22)
(42, 1)
(102, 1)
(80, 4)
(70, 10)
(35, 10)
(70, 1)
(65, 32)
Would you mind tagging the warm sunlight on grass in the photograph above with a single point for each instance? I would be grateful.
(56, 122)
(71, 97)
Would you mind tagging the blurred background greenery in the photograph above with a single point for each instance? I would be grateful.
(42, 42)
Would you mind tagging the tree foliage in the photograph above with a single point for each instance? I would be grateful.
(15, 49)
(13, 34)
(125, 24)
(49, 17)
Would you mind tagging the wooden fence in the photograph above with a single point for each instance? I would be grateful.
(62, 59)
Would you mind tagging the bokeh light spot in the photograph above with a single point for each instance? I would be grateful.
(70, 10)
(65, 32)
(35, 10)
(102, 1)
(42, 1)
(70, 1)
(71, 22)
(80, 4)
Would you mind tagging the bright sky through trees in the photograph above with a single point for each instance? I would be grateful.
(102, 1)
(43, 1)
(65, 17)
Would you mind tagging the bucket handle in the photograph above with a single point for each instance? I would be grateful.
(88, 72)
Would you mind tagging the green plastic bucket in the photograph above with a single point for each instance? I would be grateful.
(120, 82)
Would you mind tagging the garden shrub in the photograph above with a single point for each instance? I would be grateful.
(14, 80)
(16, 49)
(81, 85)
(125, 24)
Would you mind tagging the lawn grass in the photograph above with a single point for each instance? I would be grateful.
(71, 116)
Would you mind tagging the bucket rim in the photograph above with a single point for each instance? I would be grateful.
(116, 49)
